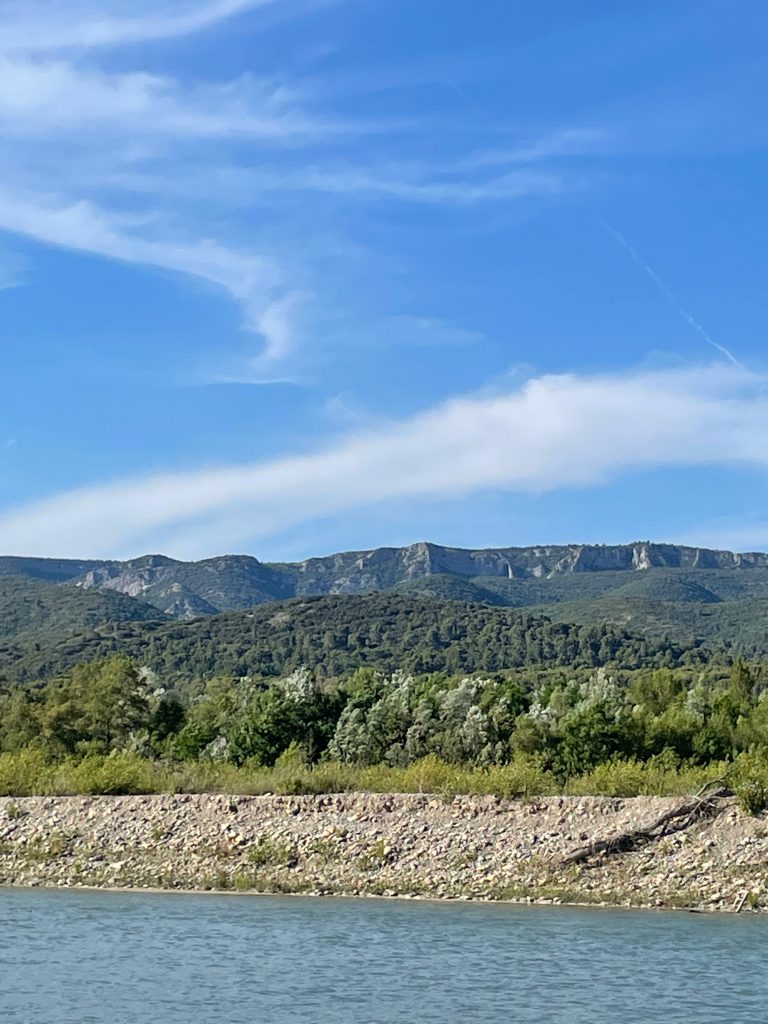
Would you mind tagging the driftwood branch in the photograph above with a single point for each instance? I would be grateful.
(740, 901)
(704, 805)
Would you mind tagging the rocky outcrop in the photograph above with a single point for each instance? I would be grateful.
(357, 844)
(189, 589)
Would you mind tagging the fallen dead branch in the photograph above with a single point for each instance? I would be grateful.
(740, 901)
(705, 805)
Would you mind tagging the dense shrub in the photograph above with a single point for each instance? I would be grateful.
(118, 775)
(25, 773)
(657, 777)
(749, 779)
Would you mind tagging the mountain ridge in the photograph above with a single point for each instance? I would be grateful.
(56, 611)
(373, 565)
(686, 592)
(186, 589)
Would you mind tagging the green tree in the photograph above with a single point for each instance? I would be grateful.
(99, 705)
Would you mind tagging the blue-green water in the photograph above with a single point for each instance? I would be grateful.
(79, 957)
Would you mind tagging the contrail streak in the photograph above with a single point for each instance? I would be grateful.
(669, 295)
(454, 87)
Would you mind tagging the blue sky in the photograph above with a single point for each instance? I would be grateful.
(293, 276)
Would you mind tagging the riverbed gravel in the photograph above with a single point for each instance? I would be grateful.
(462, 847)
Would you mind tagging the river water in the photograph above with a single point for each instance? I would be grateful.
(74, 957)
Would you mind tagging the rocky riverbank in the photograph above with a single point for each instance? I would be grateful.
(360, 844)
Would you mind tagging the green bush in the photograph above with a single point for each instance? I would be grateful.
(525, 776)
(749, 780)
(656, 777)
(26, 773)
(116, 774)
(522, 777)
(429, 775)
(204, 777)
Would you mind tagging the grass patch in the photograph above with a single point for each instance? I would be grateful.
(376, 856)
(29, 773)
(265, 852)
(627, 778)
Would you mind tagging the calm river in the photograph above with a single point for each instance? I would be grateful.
(78, 957)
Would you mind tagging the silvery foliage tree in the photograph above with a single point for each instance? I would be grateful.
(573, 699)
(379, 732)
(232, 704)
(463, 724)
(474, 734)
(216, 750)
(579, 725)
(405, 724)
(420, 735)
(351, 740)
(299, 687)
(697, 702)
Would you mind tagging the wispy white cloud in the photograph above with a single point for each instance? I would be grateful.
(39, 25)
(71, 126)
(278, 323)
(48, 100)
(413, 332)
(248, 278)
(113, 162)
(344, 410)
(433, 185)
(430, 184)
(553, 432)
(277, 326)
(565, 142)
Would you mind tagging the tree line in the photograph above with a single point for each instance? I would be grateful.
(568, 720)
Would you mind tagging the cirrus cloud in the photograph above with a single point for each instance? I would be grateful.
(55, 25)
(555, 431)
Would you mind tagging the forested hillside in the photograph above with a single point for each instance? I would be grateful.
(41, 613)
(336, 635)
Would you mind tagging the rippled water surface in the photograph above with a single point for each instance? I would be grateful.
(76, 957)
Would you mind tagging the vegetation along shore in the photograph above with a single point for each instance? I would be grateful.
(388, 743)
(643, 788)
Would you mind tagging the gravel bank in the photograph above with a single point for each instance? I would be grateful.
(359, 844)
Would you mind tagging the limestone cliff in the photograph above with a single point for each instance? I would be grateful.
(191, 589)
